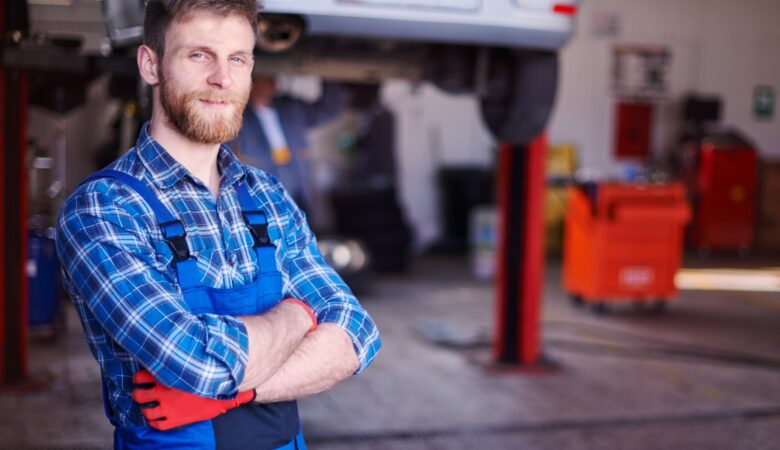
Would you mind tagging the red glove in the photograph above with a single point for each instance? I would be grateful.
(308, 311)
(166, 408)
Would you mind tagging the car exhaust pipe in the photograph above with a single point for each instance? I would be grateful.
(278, 32)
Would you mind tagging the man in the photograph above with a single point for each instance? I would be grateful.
(197, 281)
(273, 137)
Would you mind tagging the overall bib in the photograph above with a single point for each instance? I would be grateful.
(250, 426)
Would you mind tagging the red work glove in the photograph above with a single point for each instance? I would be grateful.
(308, 311)
(166, 408)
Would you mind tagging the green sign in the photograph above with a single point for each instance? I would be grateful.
(764, 102)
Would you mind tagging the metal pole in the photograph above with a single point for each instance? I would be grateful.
(13, 212)
(520, 264)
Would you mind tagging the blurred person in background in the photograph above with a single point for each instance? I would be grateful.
(274, 135)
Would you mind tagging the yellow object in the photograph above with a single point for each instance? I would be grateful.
(554, 212)
(281, 156)
(561, 160)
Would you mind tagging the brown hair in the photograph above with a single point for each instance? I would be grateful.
(160, 14)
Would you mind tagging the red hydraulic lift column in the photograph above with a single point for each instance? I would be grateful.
(13, 217)
(520, 243)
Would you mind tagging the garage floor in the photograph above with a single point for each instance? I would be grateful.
(706, 374)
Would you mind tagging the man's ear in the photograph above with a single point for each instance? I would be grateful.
(148, 65)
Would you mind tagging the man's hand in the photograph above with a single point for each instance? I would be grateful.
(166, 408)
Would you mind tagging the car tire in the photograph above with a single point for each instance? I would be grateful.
(519, 94)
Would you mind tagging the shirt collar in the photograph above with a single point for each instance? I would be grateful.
(166, 171)
(229, 165)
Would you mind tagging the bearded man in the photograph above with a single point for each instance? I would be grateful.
(197, 280)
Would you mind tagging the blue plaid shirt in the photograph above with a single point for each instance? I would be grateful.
(117, 269)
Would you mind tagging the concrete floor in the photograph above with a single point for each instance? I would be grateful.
(704, 375)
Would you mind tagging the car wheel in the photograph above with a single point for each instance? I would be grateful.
(518, 94)
(277, 33)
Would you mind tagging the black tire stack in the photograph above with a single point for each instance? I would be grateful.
(374, 216)
(461, 189)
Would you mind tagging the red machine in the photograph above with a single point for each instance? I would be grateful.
(724, 186)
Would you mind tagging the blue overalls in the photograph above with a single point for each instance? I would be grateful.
(250, 426)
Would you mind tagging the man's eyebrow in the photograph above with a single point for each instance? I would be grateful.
(206, 48)
(203, 48)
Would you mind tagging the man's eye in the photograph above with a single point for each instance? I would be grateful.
(238, 60)
(197, 56)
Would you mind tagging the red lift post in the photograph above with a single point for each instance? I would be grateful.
(520, 243)
(13, 220)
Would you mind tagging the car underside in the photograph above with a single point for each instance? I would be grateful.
(502, 51)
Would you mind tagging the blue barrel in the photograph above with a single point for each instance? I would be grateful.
(43, 277)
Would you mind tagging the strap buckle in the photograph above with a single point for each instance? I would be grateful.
(177, 242)
(259, 231)
(178, 245)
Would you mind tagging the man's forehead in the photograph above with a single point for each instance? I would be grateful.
(208, 30)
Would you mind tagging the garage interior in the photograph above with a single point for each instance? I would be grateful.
(662, 145)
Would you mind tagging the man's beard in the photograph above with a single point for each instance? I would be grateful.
(181, 110)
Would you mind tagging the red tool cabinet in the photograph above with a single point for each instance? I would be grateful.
(725, 196)
(623, 242)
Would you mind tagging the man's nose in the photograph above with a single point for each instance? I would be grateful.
(220, 75)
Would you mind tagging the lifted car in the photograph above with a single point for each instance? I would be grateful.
(503, 51)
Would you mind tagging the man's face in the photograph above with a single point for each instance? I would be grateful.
(205, 76)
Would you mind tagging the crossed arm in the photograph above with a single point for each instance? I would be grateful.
(316, 361)
(321, 359)
(286, 358)
(285, 362)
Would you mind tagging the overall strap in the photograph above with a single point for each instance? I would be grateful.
(172, 229)
(257, 223)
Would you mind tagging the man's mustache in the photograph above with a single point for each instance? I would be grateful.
(214, 97)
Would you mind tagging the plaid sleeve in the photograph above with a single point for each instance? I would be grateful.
(110, 265)
(323, 289)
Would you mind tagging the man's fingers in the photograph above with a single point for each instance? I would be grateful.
(153, 414)
(145, 395)
(148, 405)
(160, 424)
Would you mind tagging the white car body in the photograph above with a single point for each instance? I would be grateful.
(533, 24)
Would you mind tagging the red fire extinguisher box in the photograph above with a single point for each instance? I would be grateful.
(633, 129)
(725, 195)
